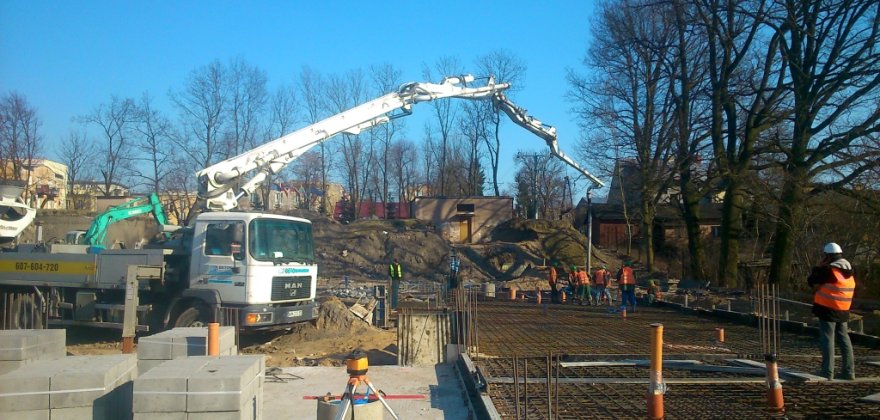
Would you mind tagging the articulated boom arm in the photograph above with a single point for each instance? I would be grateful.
(548, 133)
(137, 206)
(222, 184)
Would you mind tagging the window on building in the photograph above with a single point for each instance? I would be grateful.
(464, 208)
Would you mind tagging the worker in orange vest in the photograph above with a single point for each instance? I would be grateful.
(626, 279)
(601, 277)
(551, 279)
(583, 282)
(833, 285)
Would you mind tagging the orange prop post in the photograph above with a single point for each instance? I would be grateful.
(656, 389)
(213, 339)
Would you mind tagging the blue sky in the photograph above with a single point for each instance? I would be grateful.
(67, 57)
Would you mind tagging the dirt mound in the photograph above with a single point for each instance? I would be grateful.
(328, 340)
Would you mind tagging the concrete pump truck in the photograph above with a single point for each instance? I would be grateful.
(260, 264)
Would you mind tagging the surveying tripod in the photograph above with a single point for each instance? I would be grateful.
(356, 365)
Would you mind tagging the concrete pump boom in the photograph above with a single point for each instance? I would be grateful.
(222, 184)
(548, 133)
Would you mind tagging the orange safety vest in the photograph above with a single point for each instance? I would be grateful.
(599, 276)
(551, 278)
(837, 295)
(626, 276)
(582, 278)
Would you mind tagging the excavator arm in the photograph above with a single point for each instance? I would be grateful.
(135, 207)
(521, 117)
(222, 184)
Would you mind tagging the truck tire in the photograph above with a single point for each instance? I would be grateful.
(196, 316)
(26, 313)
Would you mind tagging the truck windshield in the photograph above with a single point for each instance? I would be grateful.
(281, 241)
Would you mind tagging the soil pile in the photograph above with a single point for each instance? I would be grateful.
(328, 340)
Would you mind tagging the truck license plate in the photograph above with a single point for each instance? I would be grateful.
(294, 314)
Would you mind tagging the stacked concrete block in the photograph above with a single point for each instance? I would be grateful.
(21, 347)
(76, 387)
(181, 342)
(193, 388)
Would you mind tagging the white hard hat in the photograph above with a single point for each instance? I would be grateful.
(832, 248)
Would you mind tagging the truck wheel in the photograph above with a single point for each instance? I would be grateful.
(197, 316)
(26, 313)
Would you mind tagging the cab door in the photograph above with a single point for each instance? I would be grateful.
(221, 260)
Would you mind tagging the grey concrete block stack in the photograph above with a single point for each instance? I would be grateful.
(75, 387)
(154, 350)
(22, 347)
(193, 388)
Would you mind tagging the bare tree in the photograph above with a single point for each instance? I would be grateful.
(307, 170)
(631, 95)
(201, 104)
(344, 92)
(115, 121)
(20, 141)
(445, 112)
(404, 156)
(247, 98)
(78, 153)
(153, 140)
(473, 126)
(284, 111)
(386, 79)
(830, 48)
(506, 68)
(312, 85)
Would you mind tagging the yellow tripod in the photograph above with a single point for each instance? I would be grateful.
(356, 365)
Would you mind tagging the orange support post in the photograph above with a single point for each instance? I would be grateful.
(623, 312)
(774, 385)
(512, 295)
(538, 294)
(719, 334)
(656, 389)
(213, 339)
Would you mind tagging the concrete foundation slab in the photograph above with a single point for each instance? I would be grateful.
(438, 385)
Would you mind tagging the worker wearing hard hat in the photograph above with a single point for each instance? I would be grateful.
(833, 286)
(552, 280)
(626, 280)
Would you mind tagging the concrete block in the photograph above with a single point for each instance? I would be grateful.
(32, 344)
(28, 389)
(89, 378)
(154, 347)
(31, 415)
(145, 366)
(180, 415)
(7, 366)
(163, 388)
(224, 384)
(184, 342)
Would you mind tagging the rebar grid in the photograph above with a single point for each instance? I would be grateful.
(537, 342)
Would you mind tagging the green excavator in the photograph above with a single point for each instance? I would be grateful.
(97, 233)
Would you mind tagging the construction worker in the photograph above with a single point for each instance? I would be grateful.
(653, 292)
(395, 272)
(551, 279)
(453, 270)
(583, 282)
(626, 279)
(601, 277)
(833, 285)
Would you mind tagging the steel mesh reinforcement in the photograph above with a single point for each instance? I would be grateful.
(577, 362)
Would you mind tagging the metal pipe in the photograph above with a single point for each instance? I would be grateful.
(656, 389)
(549, 384)
(213, 339)
(525, 388)
(556, 391)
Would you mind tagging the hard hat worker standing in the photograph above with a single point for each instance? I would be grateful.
(833, 285)
(395, 272)
(627, 281)
(552, 280)
(601, 277)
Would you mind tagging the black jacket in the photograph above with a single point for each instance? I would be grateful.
(823, 274)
